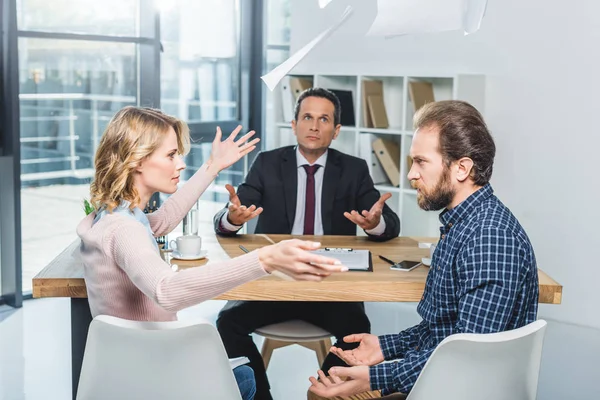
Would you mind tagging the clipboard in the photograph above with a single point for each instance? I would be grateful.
(355, 260)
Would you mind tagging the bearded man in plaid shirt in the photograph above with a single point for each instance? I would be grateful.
(483, 275)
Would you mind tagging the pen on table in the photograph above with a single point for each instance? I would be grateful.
(387, 260)
(245, 250)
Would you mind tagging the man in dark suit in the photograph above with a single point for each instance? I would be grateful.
(307, 189)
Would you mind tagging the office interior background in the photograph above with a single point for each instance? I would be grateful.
(69, 65)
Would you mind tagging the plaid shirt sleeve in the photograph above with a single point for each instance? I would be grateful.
(488, 277)
(396, 345)
(399, 376)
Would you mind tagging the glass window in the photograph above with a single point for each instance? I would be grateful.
(273, 58)
(277, 51)
(278, 22)
(0, 256)
(200, 63)
(69, 90)
(106, 17)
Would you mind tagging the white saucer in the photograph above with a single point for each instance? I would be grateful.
(426, 261)
(199, 256)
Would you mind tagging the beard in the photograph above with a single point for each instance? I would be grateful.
(440, 196)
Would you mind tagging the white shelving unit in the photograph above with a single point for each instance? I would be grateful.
(356, 140)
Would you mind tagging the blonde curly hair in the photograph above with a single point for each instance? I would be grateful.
(132, 135)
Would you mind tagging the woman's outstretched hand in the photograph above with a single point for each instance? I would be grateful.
(294, 259)
(227, 152)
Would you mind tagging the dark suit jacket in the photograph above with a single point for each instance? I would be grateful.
(272, 183)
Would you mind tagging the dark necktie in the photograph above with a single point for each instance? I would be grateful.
(309, 211)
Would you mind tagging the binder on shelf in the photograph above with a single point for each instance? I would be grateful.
(388, 153)
(287, 99)
(377, 111)
(347, 102)
(370, 88)
(299, 85)
(368, 154)
(421, 93)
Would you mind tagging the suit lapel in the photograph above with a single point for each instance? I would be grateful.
(331, 179)
(289, 176)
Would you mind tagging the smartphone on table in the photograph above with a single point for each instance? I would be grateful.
(406, 266)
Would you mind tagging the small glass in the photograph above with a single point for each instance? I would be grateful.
(190, 222)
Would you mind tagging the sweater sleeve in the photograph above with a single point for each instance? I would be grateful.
(170, 214)
(134, 254)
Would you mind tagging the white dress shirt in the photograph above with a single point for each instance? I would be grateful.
(298, 227)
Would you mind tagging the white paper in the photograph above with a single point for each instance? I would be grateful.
(403, 17)
(272, 78)
(236, 362)
(474, 15)
(323, 3)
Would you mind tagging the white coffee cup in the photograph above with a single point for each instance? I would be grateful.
(427, 260)
(188, 245)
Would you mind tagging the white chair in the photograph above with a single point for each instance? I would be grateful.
(294, 332)
(155, 360)
(494, 366)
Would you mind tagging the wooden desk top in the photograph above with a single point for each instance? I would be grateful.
(63, 277)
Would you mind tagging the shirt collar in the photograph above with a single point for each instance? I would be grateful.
(300, 160)
(453, 216)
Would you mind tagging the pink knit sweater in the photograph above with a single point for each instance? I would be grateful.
(126, 277)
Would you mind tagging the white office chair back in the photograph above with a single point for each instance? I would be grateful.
(155, 360)
(495, 366)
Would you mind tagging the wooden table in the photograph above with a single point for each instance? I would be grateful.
(63, 277)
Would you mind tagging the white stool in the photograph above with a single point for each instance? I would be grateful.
(294, 332)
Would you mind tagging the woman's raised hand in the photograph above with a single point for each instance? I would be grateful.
(227, 152)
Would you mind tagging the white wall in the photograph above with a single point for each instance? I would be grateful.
(542, 62)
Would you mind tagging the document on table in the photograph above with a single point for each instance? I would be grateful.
(236, 362)
(355, 260)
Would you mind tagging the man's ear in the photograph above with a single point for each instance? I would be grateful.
(294, 126)
(337, 131)
(464, 167)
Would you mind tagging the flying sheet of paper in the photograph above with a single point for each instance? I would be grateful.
(323, 3)
(474, 15)
(272, 78)
(403, 17)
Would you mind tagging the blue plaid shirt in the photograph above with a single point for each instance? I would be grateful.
(483, 278)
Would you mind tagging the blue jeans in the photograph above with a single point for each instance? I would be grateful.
(244, 375)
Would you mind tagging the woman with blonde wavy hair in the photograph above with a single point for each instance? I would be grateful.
(140, 154)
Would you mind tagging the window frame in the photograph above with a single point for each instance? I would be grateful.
(149, 48)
